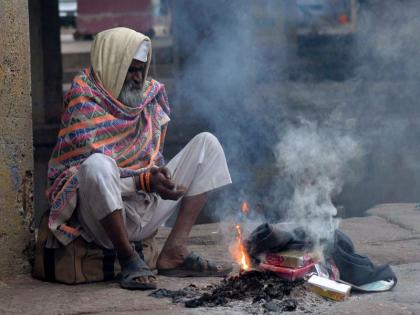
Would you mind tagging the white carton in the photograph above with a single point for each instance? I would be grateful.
(329, 288)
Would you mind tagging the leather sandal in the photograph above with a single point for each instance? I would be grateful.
(196, 266)
(134, 269)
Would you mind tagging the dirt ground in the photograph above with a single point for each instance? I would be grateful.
(390, 234)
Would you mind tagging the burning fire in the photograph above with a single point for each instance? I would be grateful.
(245, 207)
(237, 248)
(239, 252)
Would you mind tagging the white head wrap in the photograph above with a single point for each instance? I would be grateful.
(142, 51)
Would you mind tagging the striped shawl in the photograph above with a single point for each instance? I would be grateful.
(95, 122)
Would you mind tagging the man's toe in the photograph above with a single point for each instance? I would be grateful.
(142, 279)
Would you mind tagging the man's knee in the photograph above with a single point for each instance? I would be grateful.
(97, 166)
(209, 140)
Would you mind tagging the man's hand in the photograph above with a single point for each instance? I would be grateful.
(163, 185)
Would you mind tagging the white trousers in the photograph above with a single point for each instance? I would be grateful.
(200, 167)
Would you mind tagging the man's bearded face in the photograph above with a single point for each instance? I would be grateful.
(132, 90)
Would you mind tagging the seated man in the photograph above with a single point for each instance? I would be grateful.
(109, 181)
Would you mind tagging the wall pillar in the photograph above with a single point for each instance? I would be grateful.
(16, 154)
(52, 66)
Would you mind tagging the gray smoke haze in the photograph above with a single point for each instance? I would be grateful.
(224, 78)
(383, 103)
(357, 136)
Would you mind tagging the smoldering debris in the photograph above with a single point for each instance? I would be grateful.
(177, 296)
(283, 306)
(254, 285)
(262, 289)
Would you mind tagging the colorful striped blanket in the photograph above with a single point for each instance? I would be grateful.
(95, 122)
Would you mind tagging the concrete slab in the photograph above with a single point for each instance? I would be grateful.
(24, 295)
(403, 299)
(406, 215)
(361, 230)
(384, 242)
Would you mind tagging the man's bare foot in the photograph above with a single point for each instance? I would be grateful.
(194, 265)
(148, 281)
(171, 258)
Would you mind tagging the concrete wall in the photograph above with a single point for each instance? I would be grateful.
(16, 156)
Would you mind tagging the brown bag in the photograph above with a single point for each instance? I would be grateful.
(80, 261)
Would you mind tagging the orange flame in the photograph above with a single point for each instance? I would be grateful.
(245, 207)
(239, 252)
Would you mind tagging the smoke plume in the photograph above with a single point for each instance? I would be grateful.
(294, 141)
(316, 163)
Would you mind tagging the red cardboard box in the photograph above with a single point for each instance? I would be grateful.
(289, 273)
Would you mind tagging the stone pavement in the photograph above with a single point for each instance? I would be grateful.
(389, 234)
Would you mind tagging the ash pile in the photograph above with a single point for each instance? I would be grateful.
(252, 285)
(252, 292)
